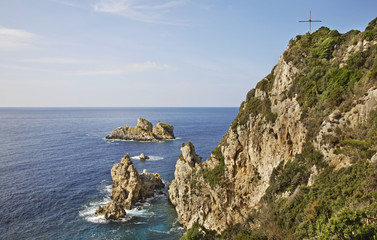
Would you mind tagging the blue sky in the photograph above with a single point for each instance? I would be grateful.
(134, 53)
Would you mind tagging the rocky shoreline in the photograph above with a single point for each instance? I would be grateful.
(143, 131)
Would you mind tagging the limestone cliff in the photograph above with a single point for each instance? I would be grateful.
(314, 117)
(143, 131)
(129, 187)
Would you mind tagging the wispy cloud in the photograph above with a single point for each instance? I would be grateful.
(67, 3)
(126, 69)
(12, 39)
(23, 68)
(143, 11)
(58, 60)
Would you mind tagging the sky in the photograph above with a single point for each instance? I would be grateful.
(152, 53)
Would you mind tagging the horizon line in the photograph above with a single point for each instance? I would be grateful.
(133, 107)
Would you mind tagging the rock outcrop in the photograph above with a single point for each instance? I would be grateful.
(111, 211)
(299, 113)
(143, 157)
(129, 187)
(143, 131)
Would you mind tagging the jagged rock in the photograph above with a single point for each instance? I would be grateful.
(144, 124)
(143, 131)
(143, 157)
(129, 187)
(126, 182)
(150, 182)
(111, 210)
(163, 131)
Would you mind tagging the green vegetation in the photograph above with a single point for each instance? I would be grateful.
(294, 173)
(321, 85)
(266, 83)
(361, 143)
(215, 175)
(237, 232)
(251, 108)
(198, 232)
(339, 203)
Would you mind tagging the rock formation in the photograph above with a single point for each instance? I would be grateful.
(143, 157)
(315, 114)
(111, 211)
(129, 187)
(143, 131)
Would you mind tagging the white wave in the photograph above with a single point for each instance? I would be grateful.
(151, 158)
(89, 214)
(176, 227)
(89, 210)
(123, 140)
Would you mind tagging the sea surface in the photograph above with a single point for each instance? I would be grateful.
(55, 169)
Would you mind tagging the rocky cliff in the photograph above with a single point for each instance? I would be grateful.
(129, 187)
(299, 159)
(143, 131)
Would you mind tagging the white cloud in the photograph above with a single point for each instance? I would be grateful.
(58, 60)
(11, 39)
(143, 11)
(126, 69)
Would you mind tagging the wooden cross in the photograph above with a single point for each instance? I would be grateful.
(310, 21)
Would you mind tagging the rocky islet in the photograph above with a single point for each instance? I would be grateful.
(143, 131)
(128, 188)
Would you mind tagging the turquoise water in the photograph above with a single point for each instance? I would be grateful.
(55, 169)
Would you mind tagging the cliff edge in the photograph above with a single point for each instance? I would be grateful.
(299, 160)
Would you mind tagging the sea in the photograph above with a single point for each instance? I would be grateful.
(55, 168)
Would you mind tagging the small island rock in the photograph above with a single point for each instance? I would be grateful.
(129, 187)
(143, 131)
(143, 157)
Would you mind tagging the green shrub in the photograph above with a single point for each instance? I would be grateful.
(214, 176)
(309, 211)
(198, 232)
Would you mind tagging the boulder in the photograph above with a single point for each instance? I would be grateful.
(143, 157)
(111, 210)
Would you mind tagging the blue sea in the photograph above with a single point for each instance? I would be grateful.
(55, 169)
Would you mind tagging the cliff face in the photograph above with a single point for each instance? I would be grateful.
(249, 153)
(315, 114)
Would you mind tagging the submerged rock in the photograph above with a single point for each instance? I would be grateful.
(143, 157)
(143, 131)
(129, 187)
